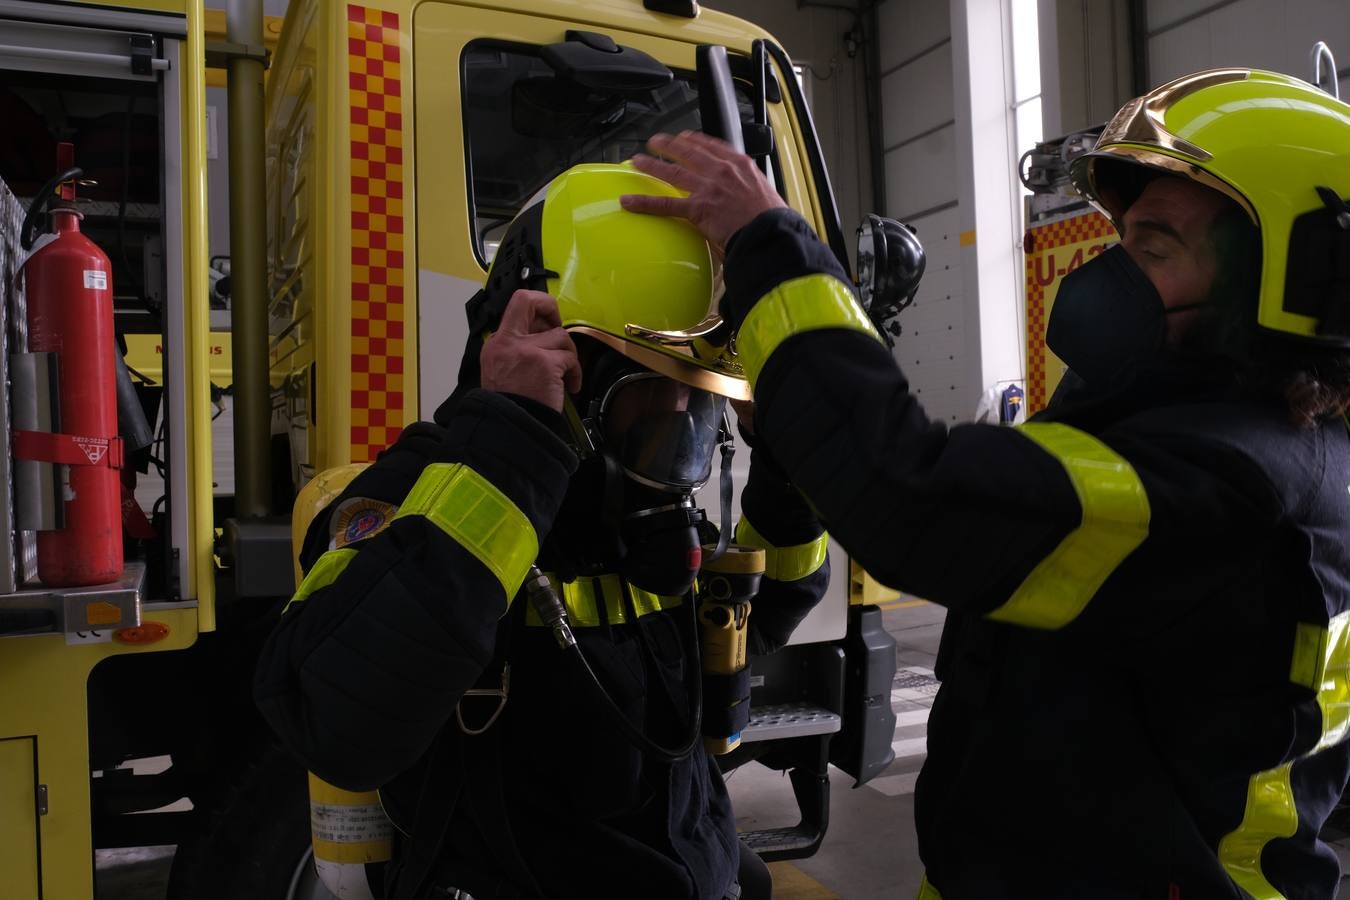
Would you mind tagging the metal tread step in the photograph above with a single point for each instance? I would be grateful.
(780, 840)
(789, 720)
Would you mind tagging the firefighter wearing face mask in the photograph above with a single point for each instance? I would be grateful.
(410, 660)
(1146, 663)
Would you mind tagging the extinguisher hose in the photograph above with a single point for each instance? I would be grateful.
(132, 425)
(44, 196)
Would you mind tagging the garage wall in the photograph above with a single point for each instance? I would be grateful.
(1086, 54)
(1188, 35)
(814, 36)
(1087, 70)
(920, 138)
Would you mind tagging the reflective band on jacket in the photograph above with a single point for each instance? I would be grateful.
(1270, 814)
(784, 563)
(1322, 664)
(927, 891)
(1115, 515)
(480, 518)
(324, 573)
(582, 610)
(803, 304)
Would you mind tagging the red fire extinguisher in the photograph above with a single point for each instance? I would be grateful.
(70, 314)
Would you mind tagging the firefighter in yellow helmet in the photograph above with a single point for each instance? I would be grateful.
(415, 658)
(1145, 666)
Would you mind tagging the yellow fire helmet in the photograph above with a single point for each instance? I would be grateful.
(1279, 148)
(641, 285)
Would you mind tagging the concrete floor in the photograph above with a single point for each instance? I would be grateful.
(870, 850)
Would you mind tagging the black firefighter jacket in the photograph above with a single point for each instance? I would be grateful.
(410, 576)
(1144, 673)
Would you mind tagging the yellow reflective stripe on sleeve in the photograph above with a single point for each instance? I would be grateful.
(927, 891)
(324, 573)
(785, 563)
(1322, 664)
(1115, 516)
(1270, 814)
(803, 304)
(479, 517)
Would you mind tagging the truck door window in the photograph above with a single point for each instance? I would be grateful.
(524, 125)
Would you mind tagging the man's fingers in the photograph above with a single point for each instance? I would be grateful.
(686, 150)
(715, 146)
(542, 310)
(528, 312)
(658, 206)
(572, 374)
(553, 339)
(726, 189)
(668, 172)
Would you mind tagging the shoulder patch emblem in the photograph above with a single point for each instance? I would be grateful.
(359, 518)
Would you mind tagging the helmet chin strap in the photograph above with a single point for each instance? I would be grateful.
(728, 448)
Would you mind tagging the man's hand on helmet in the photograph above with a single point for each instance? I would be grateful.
(726, 189)
(530, 354)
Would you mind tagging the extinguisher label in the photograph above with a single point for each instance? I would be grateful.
(94, 448)
(96, 279)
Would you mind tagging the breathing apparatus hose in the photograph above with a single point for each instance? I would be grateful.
(724, 489)
(28, 230)
(549, 606)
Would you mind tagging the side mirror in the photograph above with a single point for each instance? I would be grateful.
(890, 265)
(594, 61)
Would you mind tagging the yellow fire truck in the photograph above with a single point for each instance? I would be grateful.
(369, 183)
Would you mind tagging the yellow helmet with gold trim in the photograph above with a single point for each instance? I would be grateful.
(641, 285)
(1280, 149)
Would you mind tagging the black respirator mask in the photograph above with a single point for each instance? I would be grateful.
(657, 439)
(1108, 320)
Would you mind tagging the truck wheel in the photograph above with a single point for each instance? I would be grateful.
(254, 839)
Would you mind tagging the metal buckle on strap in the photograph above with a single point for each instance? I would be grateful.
(499, 692)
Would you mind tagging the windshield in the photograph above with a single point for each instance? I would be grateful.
(524, 125)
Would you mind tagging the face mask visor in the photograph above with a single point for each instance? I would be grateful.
(663, 432)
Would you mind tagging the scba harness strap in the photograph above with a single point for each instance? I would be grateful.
(445, 782)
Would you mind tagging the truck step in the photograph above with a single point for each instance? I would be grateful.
(789, 720)
(782, 843)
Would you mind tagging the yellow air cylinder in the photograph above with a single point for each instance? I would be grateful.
(350, 831)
